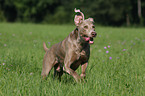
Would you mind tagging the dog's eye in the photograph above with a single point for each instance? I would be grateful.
(86, 27)
(93, 26)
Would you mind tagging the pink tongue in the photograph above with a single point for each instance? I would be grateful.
(91, 42)
(87, 38)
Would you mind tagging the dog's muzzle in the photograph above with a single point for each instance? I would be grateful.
(94, 34)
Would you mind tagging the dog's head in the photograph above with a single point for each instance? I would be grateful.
(85, 27)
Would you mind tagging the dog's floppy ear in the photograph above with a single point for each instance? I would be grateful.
(91, 19)
(78, 18)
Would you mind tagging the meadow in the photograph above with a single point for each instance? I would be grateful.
(116, 65)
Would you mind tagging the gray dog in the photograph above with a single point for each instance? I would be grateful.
(67, 55)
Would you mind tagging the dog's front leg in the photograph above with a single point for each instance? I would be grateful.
(73, 73)
(83, 67)
(69, 60)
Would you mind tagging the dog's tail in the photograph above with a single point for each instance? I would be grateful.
(44, 47)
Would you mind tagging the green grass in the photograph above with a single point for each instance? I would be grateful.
(21, 56)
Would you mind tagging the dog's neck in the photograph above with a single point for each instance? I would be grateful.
(77, 40)
(76, 36)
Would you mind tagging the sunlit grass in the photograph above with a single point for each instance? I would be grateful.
(116, 65)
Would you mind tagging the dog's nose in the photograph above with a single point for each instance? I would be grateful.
(93, 34)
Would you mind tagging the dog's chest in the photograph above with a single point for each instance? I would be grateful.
(84, 55)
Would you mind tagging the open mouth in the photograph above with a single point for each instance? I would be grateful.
(88, 39)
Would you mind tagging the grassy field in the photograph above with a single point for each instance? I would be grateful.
(116, 66)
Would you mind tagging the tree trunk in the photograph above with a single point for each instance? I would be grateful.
(139, 10)
(127, 20)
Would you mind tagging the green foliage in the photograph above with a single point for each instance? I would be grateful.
(110, 12)
(2, 18)
(21, 58)
(105, 12)
(59, 16)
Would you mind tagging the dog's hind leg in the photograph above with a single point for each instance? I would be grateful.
(55, 72)
(48, 63)
(58, 71)
(46, 69)
(61, 72)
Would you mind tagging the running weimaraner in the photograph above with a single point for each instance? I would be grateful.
(74, 50)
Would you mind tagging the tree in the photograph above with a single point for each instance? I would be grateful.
(139, 12)
(105, 12)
